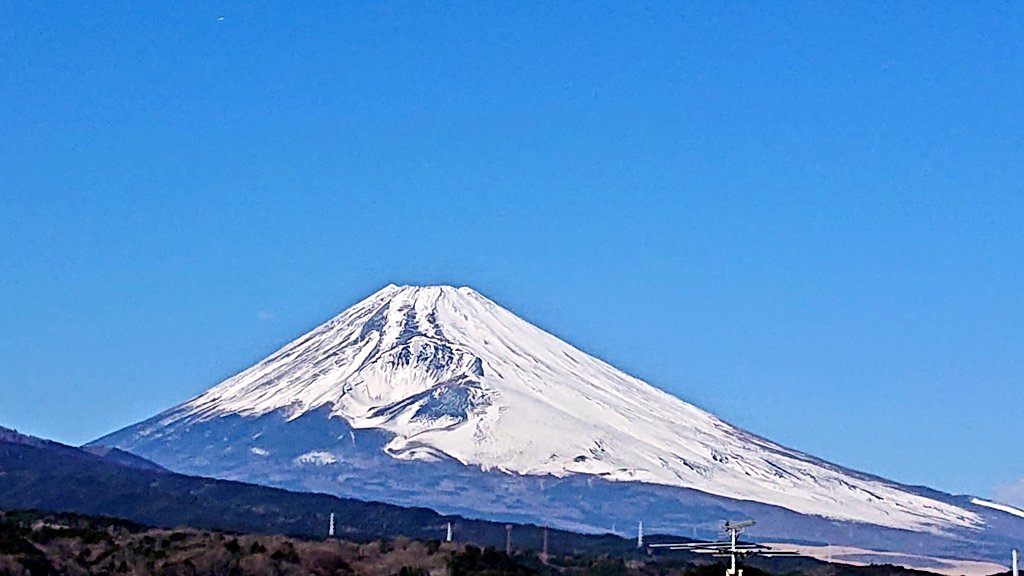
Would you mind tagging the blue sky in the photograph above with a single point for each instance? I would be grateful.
(805, 217)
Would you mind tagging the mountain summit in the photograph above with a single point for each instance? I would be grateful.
(415, 394)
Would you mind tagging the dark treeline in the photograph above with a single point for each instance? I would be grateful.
(49, 544)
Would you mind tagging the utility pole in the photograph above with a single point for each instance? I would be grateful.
(734, 529)
(731, 548)
(508, 539)
(1015, 555)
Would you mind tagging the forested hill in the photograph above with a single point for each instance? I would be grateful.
(44, 475)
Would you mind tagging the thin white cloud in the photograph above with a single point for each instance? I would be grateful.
(263, 316)
(1011, 492)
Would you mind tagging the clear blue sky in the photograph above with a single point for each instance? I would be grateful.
(807, 218)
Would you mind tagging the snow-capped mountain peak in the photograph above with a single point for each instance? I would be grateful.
(449, 374)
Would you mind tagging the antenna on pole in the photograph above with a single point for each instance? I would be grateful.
(735, 529)
(640, 535)
(330, 527)
(508, 539)
(731, 548)
(448, 537)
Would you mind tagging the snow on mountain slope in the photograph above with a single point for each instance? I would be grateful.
(451, 374)
(997, 506)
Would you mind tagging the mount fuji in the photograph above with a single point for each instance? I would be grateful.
(436, 396)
